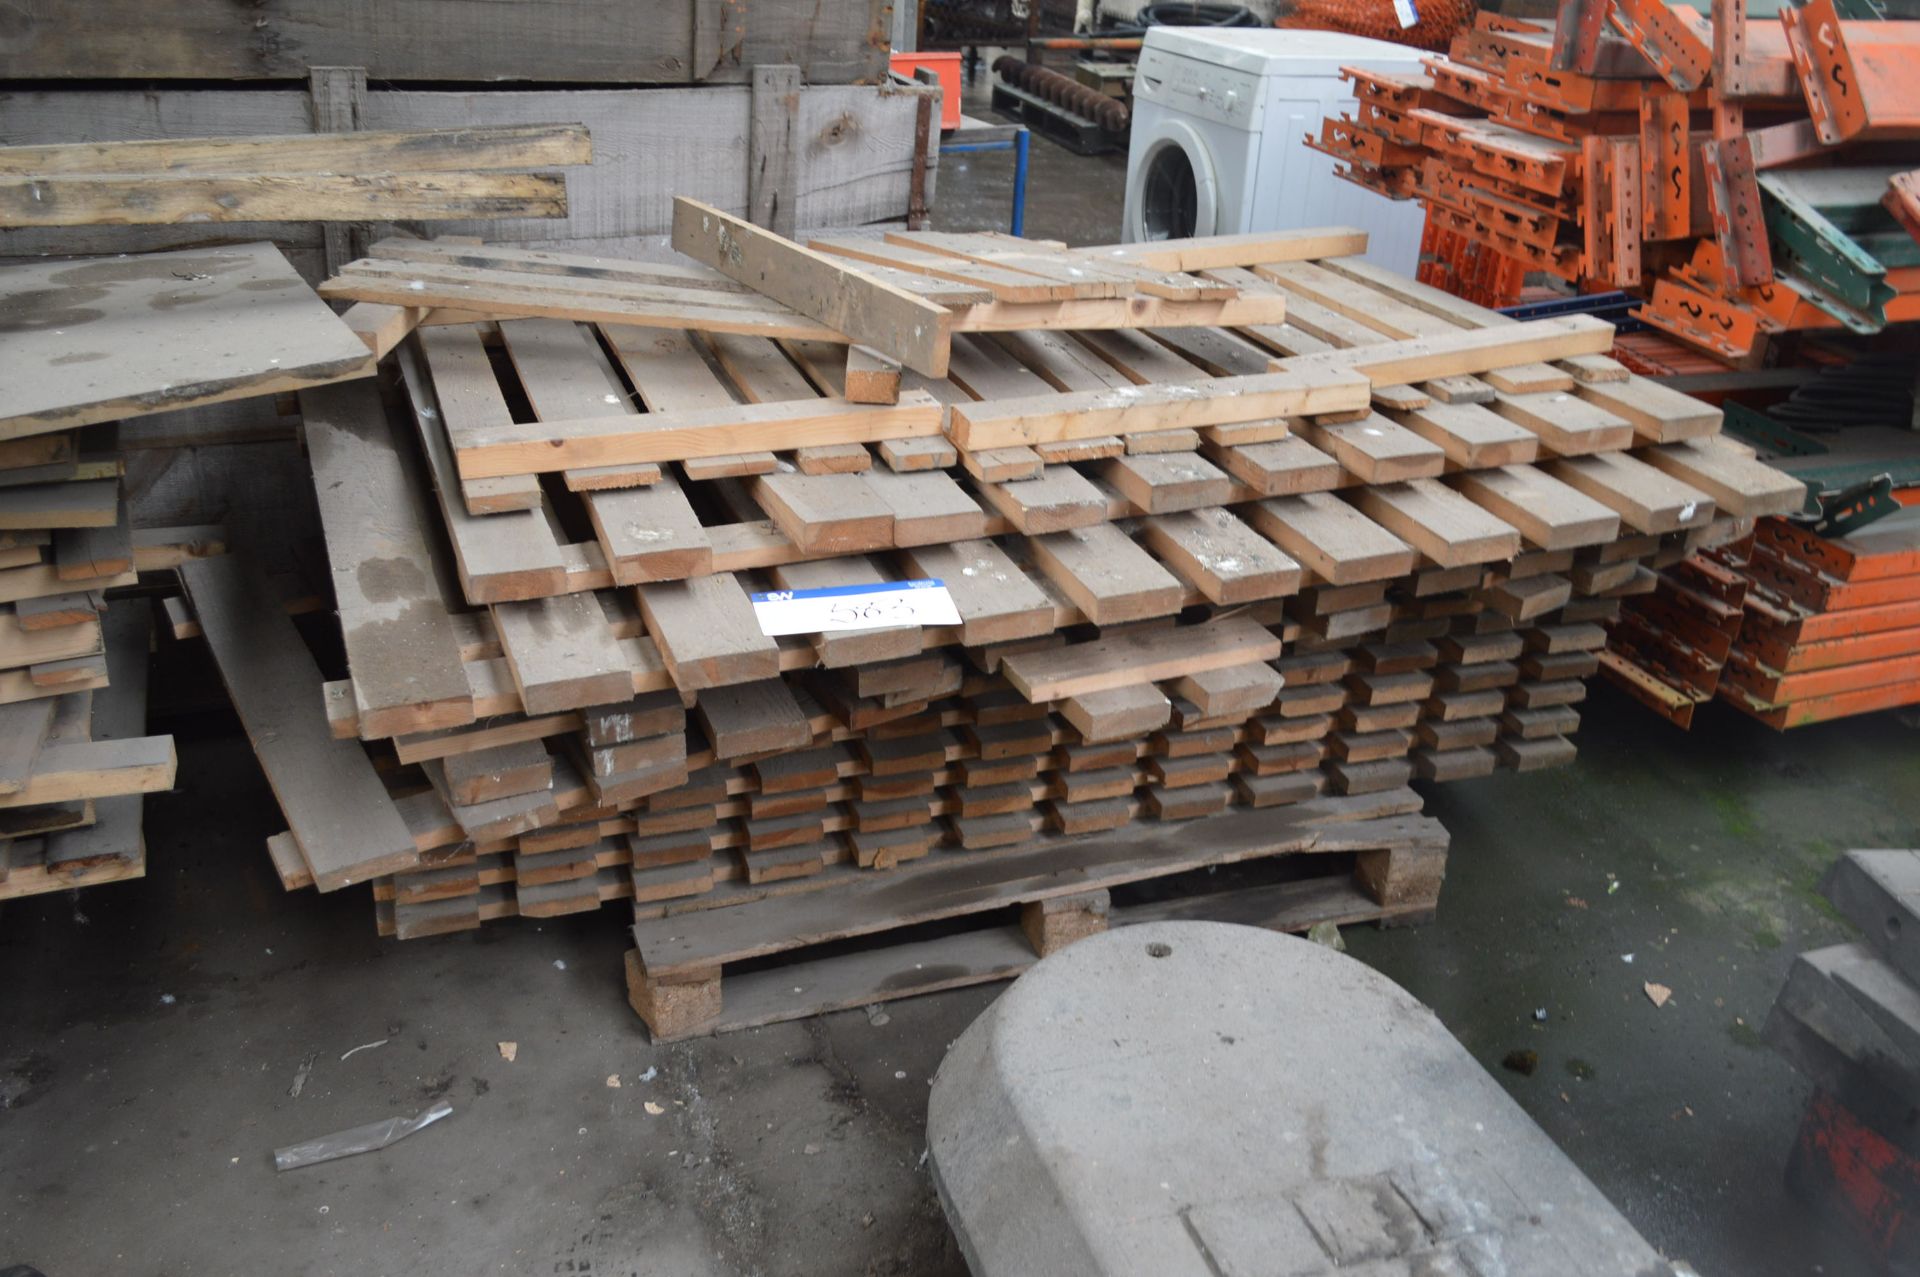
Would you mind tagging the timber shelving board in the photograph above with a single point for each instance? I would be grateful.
(124, 337)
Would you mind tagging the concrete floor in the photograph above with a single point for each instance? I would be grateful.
(150, 1031)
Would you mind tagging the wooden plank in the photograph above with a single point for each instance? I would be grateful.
(1278, 468)
(1375, 449)
(104, 340)
(996, 601)
(1107, 576)
(1223, 558)
(335, 804)
(1129, 409)
(403, 653)
(23, 727)
(906, 455)
(1138, 656)
(928, 507)
(1210, 252)
(1000, 282)
(825, 514)
(649, 533)
(753, 718)
(536, 447)
(1063, 363)
(1378, 311)
(1338, 543)
(458, 42)
(86, 554)
(1058, 499)
(869, 312)
(1167, 482)
(40, 579)
(1646, 499)
(509, 555)
(1658, 414)
(92, 504)
(1443, 525)
(669, 373)
(1473, 437)
(1549, 514)
(1738, 484)
(869, 377)
(1567, 424)
(564, 374)
(166, 199)
(949, 886)
(119, 713)
(707, 633)
(480, 148)
(1529, 378)
(562, 653)
(842, 648)
(1468, 351)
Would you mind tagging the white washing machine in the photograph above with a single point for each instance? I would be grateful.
(1219, 118)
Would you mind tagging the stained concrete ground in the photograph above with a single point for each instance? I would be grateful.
(150, 1032)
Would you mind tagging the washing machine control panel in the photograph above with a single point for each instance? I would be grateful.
(1216, 93)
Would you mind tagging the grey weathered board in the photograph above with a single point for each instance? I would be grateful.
(94, 341)
(334, 802)
(585, 42)
(856, 145)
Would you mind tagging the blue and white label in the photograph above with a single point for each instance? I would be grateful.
(854, 607)
(1406, 12)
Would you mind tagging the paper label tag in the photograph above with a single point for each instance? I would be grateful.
(854, 607)
(1406, 12)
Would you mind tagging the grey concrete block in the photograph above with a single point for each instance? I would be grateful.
(1214, 1100)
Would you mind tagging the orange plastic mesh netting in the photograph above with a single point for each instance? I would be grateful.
(1439, 20)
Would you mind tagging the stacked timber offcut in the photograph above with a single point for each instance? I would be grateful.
(1744, 175)
(1216, 545)
(86, 345)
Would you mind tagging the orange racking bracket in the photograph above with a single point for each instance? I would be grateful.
(1903, 200)
(1677, 41)
(1858, 77)
(1667, 190)
(1733, 198)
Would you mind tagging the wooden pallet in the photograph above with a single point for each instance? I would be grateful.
(678, 970)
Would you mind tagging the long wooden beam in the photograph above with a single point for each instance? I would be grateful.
(1089, 414)
(868, 311)
(469, 150)
(538, 446)
(1468, 351)
(1256, 248)
(170, 198)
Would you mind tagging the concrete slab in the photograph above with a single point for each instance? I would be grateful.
(1193, 1099)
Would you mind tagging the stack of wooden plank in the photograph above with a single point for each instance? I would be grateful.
(88, 344)
(1299, 533)
(1848, 1019)
(1732, 171)
(1788, 625)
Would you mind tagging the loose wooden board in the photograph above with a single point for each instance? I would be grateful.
(866, 310)
(535, 447)
(179, 199)
(95, 341)
(467, 150)
(334, 802)
(1131, 409)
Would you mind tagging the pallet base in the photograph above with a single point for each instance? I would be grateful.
(676, 975)
(1075, 132)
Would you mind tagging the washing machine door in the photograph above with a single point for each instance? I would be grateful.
(1172, 191)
